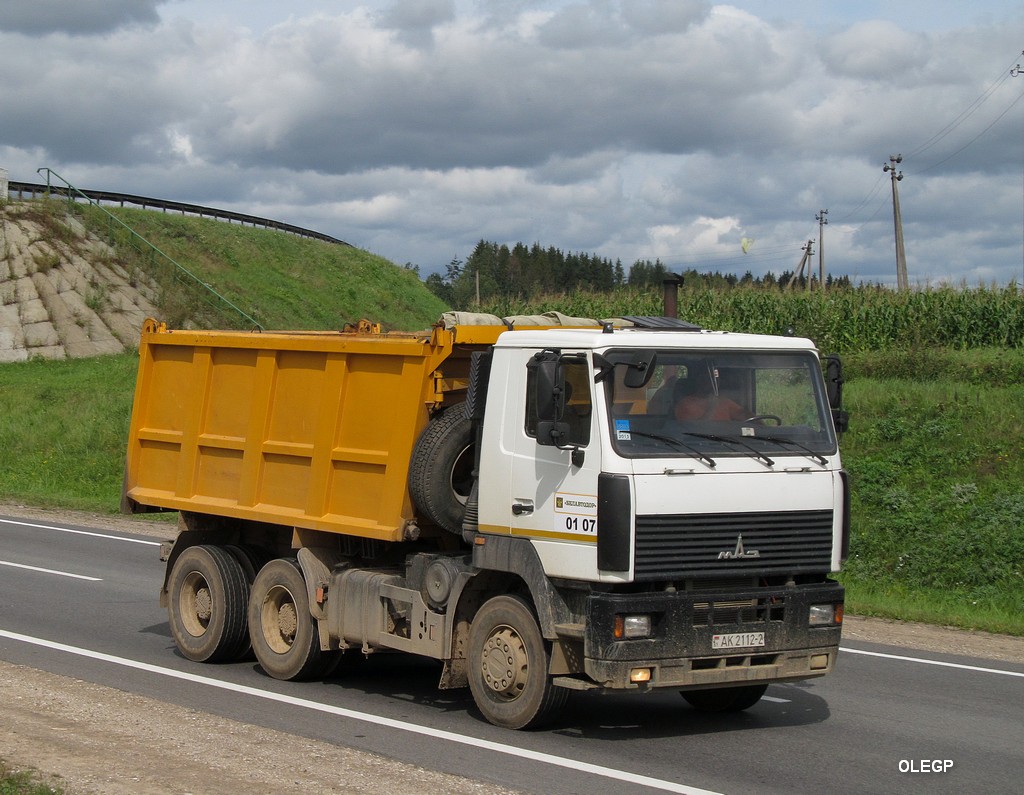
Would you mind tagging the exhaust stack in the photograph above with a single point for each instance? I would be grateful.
(670, 295)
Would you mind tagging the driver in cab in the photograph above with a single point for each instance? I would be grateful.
(696, 397)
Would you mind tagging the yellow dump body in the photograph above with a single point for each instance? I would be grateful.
(309, 430)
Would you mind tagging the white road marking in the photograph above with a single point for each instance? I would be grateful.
(932, 662)
(50, 571)
(775, 700)
(427, 731)
(82, 532)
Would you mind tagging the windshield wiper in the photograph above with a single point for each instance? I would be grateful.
(678, 443)
(733, 440)
(810, 453)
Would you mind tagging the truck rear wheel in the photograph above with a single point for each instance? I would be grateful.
(508, 666)
(284, 635)
(725, 699)
(441, 469)
(208, 592)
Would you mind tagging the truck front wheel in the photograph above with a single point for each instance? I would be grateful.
(725, 699)
(284, 634)
(508, 666)
(208, 591)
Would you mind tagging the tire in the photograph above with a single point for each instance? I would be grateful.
(249, 559)
(725, 699)
(508, 666)
(441, 469)
(208, 592)
(284, 635)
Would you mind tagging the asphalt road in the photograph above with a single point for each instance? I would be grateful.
(82, 603)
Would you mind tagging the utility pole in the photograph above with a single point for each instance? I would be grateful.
(805, 260)
(897, 222)
(822, 220)
(1016, 72)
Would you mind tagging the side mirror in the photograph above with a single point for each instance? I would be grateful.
(550, 398)
(834, 381)
(640, 369)
(549, 389)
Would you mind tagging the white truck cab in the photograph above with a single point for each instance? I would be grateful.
(682, 490)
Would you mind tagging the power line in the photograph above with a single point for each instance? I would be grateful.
(963, 116)
(871, 193)
(975, 138)
(934, 139)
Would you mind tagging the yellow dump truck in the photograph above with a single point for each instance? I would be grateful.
(543, 504)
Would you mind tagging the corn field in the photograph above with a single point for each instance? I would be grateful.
(848, 320)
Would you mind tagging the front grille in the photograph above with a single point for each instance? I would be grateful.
(742, 611)
(788, 542)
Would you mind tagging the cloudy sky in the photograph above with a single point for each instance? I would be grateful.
(631, 128)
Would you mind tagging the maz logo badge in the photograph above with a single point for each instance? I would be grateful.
(739, 553)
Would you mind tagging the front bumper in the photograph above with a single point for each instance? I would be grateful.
(681, 652)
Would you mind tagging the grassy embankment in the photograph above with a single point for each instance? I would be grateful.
(281, 280)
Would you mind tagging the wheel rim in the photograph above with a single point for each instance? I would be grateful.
(279, 619)
(505, 663)
(195, 604)
(462, 475)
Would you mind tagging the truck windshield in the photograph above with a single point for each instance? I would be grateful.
(713, 404)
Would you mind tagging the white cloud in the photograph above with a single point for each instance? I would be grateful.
(875, 50)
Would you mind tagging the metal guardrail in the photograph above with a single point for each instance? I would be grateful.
(19, 189)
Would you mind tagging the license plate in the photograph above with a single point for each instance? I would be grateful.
(738, 640)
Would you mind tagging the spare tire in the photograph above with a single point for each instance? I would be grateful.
(441, 469)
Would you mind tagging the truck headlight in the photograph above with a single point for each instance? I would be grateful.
(631, 627)
(825, 615)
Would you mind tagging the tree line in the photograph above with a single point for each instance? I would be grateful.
(495, 271)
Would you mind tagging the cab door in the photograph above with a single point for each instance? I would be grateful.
(555, 466)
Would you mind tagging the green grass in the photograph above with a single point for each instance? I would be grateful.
(281, 280)
(931, 606)
(936, 466)
(23, 782)
(63, 428)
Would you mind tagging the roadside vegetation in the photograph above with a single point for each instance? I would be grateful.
(843, 320)
(935, 390)
(23, 782)
(63, 426)
(936, 460)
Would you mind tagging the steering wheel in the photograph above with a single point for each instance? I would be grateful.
(762, 417)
